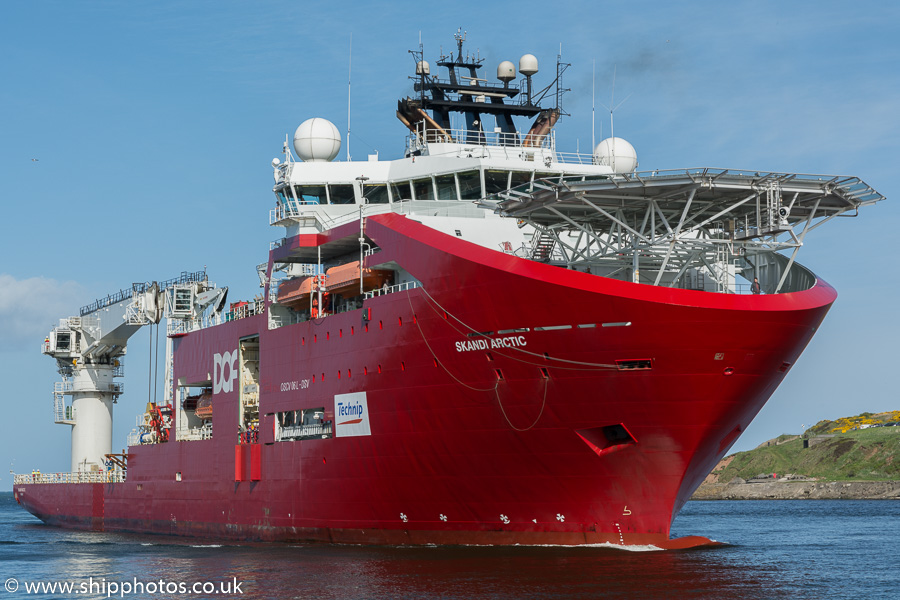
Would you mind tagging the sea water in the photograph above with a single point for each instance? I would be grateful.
(772, 549)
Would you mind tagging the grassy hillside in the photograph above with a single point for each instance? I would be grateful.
(867, 454)
(845, 424)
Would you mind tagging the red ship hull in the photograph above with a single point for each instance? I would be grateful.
(570, 433)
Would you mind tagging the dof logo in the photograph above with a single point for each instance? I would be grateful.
(224, 371)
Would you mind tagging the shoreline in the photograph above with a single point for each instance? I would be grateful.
(800, 490)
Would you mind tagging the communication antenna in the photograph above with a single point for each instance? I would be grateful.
(613, 107)
(349, 74)
(593, 99)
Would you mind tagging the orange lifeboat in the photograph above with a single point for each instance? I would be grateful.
(342, 280)
(294, 292)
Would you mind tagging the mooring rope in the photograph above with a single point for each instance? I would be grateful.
(591, 366)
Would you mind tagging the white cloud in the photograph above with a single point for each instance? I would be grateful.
(29, 308)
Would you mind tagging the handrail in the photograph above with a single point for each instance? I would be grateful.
(406, 285)
(139, 288)
(475, 137)
(116, 476)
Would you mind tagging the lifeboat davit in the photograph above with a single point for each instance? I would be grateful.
(342, 280)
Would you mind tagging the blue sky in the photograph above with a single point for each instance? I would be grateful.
(154, 124)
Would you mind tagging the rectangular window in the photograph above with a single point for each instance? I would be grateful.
(309, 194)
(446, 187)
(307, 424)
(401, 191)
(495, 181)
(342, 194)
(182, 300)
(63, 340)
(375, 194)
(520, 178)
(469, 185)
(423, 189)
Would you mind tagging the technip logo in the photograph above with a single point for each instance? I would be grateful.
(351, 415)
(224, 372)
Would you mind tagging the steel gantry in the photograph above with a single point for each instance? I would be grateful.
(694, 228)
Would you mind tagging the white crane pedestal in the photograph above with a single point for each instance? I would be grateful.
(92, 411)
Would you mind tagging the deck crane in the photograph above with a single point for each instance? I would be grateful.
(89, 350)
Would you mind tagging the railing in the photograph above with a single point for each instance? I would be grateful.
(709, 285)
(309, 431)
(194, 434)
(476, 139)
(63, 387)
(181, 326)
(89, 477)
(139, 288)
(299, 209)
(247, 310)
(576, 158)
(407, 285)
(62, 413)
(487, 86)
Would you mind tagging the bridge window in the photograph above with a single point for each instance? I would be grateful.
(342, 194)
(401, 191)
(469, 185)
(446, 187)
(376, 194)
(519, 178)
(423, 189)
(310, 194)
(495, 181)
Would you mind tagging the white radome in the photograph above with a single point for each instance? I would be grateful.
(506, 71)
(317, 140)
(617, 154)
(528, 65)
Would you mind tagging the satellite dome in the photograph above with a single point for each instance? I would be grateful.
(528, 65)
(423, 68)
(317, 140)
(616, 153)
(506, 71)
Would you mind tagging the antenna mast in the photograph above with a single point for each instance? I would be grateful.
(593, 100)
(349, 74)
(612, 108)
